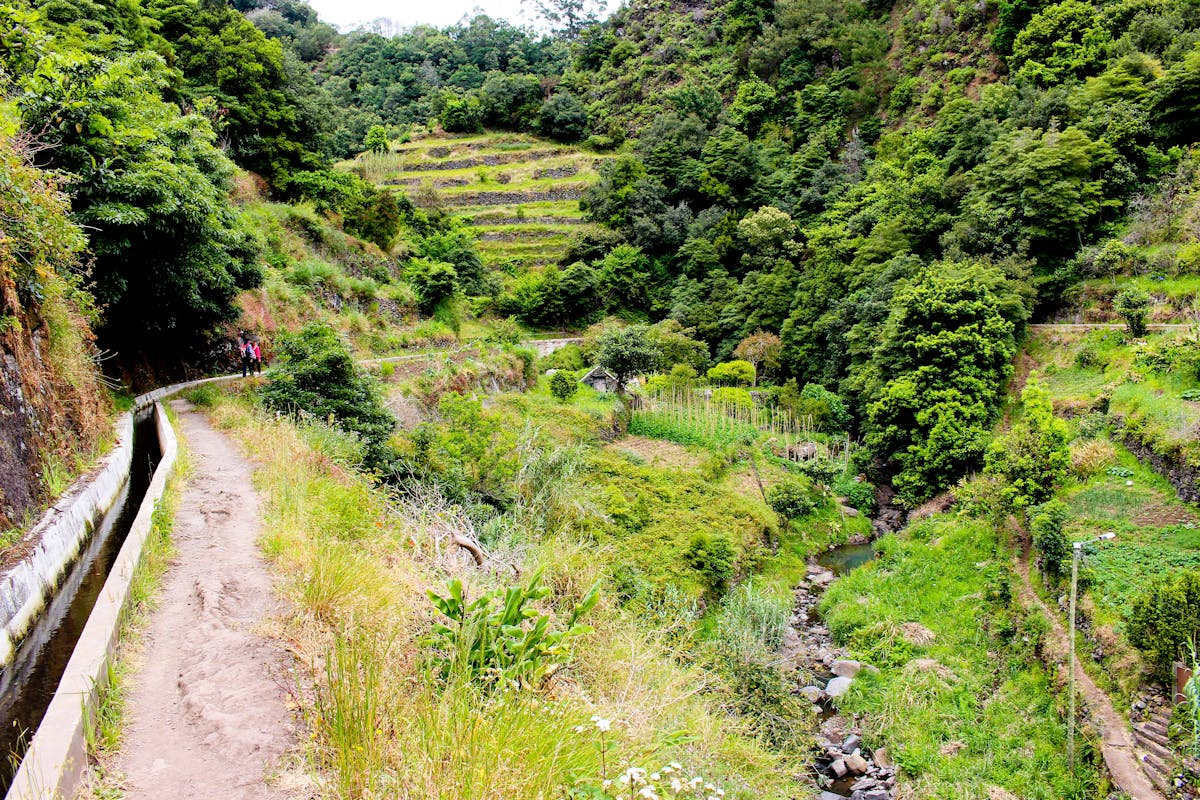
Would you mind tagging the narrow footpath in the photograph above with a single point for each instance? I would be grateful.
(206, 715)
(1117, 743)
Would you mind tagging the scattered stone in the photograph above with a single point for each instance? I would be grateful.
(838, 686)
(846, 668)
(882, 758)
(812, 694)
(830, 796)
(856, 764)
(851, 743)
(839, 768)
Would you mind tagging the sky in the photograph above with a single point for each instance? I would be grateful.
(347, 13)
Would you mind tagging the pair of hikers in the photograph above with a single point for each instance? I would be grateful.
(251, 355)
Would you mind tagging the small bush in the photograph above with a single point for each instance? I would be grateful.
(315, 375)
(713, 556)
(793, 498)
(563, 385)
(1164, 617)
(859, 494)
(1133, 306)
(1046, 523)
(734, 398)
(732, 373)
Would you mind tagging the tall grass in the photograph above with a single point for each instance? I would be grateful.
(688, 417)
(382, 725)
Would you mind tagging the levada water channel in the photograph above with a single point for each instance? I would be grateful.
(29, 682)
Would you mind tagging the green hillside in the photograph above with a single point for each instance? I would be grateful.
(519, 193)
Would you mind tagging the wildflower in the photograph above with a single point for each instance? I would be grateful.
(654, 777)
(675, 765)
(604, 725)
(676, 785)
(649, 793)
(607, 783)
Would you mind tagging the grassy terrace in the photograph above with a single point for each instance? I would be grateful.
(1117, 389)
(521, 192)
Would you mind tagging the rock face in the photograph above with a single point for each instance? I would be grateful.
(46, 411)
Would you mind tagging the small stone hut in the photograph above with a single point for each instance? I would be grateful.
(600, 379)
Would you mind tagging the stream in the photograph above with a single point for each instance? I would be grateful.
(823, 671)
(29, 682)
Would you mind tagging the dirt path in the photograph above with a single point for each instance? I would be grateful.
(1088, 326)
(1116, 738)
(206, 714)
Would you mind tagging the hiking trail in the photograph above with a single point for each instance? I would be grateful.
(206, 712)
(1116, 743)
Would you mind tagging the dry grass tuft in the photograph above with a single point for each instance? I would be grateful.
(1092, 456)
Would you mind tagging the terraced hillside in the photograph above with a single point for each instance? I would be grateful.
(520, 193)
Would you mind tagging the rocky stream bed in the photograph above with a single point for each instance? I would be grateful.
(823, 673)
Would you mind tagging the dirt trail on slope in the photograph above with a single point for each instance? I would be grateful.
(1116, 738)
(206, 714)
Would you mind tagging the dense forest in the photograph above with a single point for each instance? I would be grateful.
(849, 176)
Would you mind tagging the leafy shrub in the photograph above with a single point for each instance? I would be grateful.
(1133, 305)
(315, 374)
(828, 410)
(732, 397)
(499, 639)
(793, 498)
(713, 556)
(1046, 523)
(433, 281)
(859, 494)
(1164, 617)
(1033, 456)
(732, 373)
(563, 385)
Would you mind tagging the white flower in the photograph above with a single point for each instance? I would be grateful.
(696, 781)
(604, 725)
(649, 793)
(607, 783)
(675, 765)
(676, 785)
(654, 776)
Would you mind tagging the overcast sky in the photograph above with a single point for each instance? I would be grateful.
(345, 13)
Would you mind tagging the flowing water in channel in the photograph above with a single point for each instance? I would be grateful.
(29, 682)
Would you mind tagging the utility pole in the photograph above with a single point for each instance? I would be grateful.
(1076, 557)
